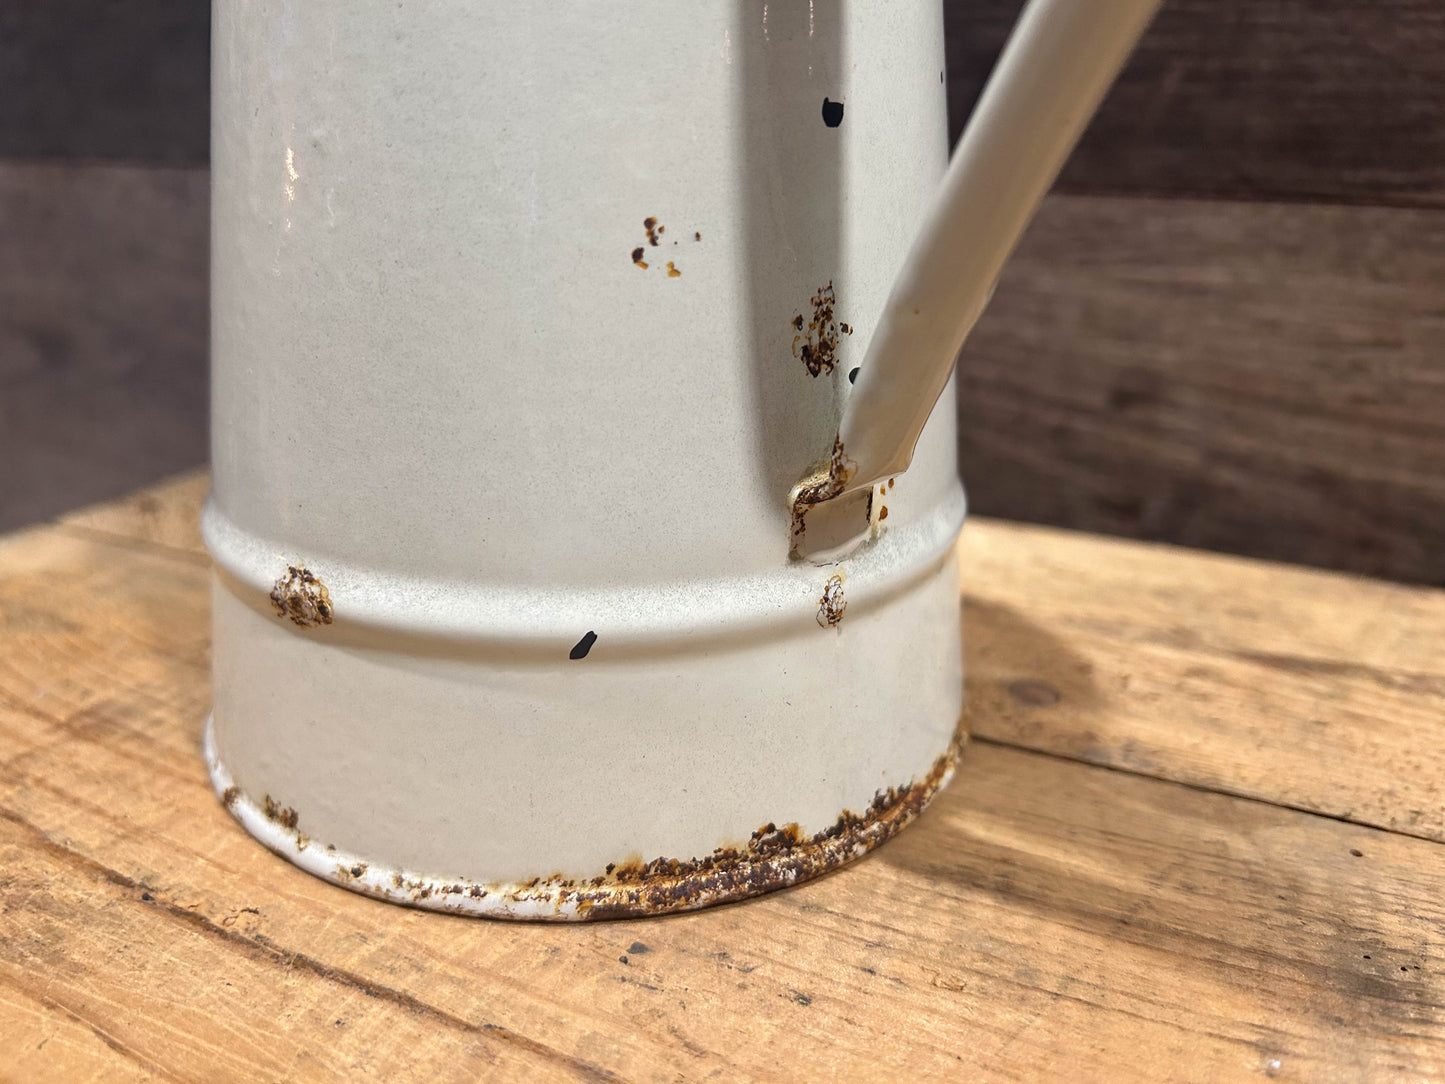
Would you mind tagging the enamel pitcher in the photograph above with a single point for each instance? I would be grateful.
(584, 544)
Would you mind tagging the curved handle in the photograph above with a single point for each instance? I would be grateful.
(1059, 61)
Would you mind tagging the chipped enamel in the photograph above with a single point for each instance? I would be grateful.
(546, 487)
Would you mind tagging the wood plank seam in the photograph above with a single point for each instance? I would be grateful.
(131, 542)
(1200, 788)
(263, 948)
(95, 1029)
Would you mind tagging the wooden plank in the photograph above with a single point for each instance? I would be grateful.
(102, 332)
(165, 514)
(1302, 688)
(1006, 936)
(90, 81)
(1263, 379)
(1044, 918)
(33, 1024)
(1322, 100)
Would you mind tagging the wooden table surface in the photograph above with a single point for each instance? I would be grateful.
(1197, 836)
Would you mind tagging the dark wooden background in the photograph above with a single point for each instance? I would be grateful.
(1226, 328)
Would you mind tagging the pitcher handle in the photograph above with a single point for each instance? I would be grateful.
(1060, 59)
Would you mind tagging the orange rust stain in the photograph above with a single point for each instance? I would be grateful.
(832, 605)
(816, 341)
(825, 487)
(775, 856)
(883, 513)
(285, 816)
(655, 230)
(303, 598)
(346, 874)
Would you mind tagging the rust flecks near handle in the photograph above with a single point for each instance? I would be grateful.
(816, 491)
(1016, 140)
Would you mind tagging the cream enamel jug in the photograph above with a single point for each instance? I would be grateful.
(567, 361)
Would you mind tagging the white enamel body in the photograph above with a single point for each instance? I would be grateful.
(443, 386)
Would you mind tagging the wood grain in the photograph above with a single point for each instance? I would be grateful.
(102, 332)
(1300, 100)
(1262, 379)
(1300, 688)
(1044, 919)
(167, 513)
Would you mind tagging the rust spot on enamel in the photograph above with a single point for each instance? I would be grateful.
(832, 605)
(229, 796)
(275, 812)
(816, 341)
(302, 597)
(655, 230)
(823, 486)
(775, 856)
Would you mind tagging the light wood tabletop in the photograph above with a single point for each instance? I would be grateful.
(1196, 836)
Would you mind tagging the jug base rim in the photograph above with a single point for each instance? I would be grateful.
(774, 858)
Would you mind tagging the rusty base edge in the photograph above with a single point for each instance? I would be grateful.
(775, 857)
